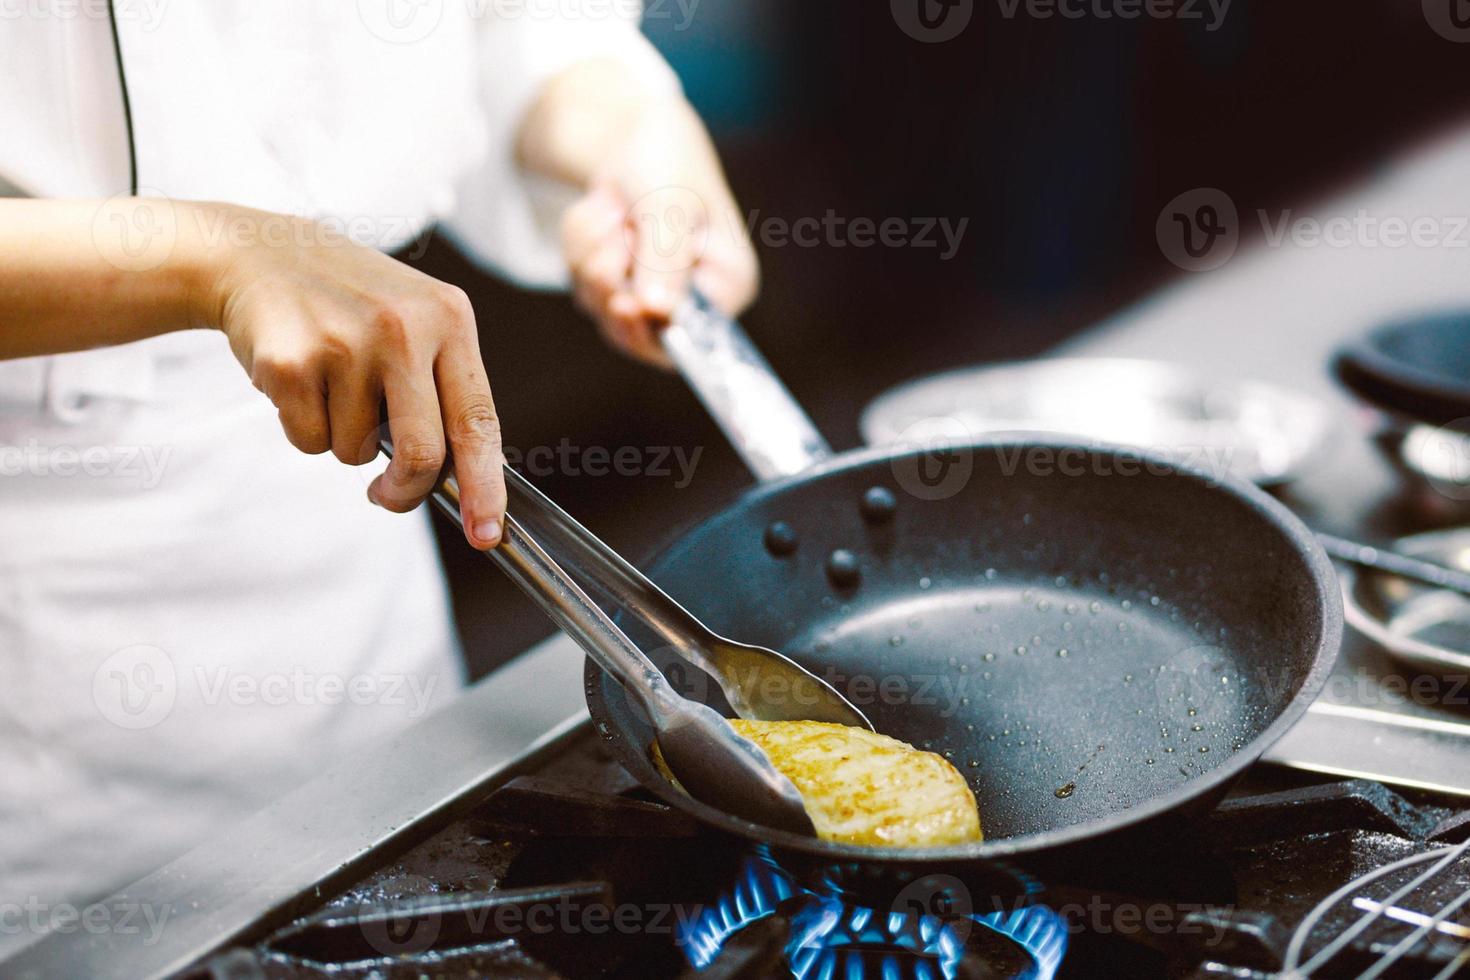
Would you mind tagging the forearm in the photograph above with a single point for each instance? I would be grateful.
(589, 112)
(76, 274)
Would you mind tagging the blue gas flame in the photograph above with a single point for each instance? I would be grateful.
(832, 939)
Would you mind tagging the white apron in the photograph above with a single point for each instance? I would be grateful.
(194, 617)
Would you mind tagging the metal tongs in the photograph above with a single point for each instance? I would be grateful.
(711, 762)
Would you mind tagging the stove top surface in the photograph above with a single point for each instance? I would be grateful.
(573, 873)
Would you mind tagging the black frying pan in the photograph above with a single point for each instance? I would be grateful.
(1099, 640)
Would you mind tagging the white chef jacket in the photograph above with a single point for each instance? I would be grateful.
(193, 616)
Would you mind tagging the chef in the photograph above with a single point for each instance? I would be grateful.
(199, 202)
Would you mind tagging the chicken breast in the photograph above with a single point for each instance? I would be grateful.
(863, 788)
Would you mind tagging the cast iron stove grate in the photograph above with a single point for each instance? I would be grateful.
(567, 875)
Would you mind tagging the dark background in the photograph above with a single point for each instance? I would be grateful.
(1061, 141)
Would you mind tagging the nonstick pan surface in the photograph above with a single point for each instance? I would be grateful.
(1097, 639)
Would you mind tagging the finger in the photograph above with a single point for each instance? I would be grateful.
(667, 243)
(304, 419)
(588, 224)
(294, 385)
(602, 274)
(418, 443)
(354, 402)
(472, 428)
(631, 331)
(729, 276)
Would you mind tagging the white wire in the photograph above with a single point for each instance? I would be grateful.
(1450, 970)
(1303, 931)
(1408, 942)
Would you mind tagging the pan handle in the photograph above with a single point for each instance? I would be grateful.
(765, 424)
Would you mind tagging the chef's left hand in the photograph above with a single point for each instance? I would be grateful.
(657, 213)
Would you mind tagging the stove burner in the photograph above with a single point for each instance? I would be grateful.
(832, 937)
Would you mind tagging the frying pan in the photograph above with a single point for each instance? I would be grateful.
(1098, 639)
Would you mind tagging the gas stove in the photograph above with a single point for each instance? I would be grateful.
(572, 872)
(495, 839)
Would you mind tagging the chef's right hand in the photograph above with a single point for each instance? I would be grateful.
(328, 330)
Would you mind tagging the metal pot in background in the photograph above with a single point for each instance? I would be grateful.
(1257, 432)
(1414, 377)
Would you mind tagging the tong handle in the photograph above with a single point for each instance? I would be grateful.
(526, 563)
(611, 574)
